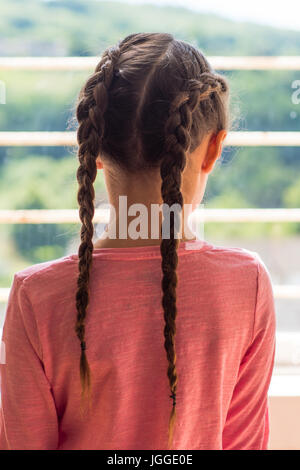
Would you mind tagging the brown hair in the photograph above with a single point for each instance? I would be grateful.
(159, 96)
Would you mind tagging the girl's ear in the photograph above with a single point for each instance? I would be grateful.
(99, 163)
(214, 150)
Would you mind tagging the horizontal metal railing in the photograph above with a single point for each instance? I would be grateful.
(61, 216)
(88, 63)
(56, 139)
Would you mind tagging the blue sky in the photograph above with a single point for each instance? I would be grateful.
(280, 14)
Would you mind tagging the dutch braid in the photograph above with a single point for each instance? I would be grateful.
(177, 141)
(177, 144)
(90, 110)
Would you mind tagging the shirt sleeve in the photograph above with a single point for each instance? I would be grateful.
(28, 418)
(247, 421)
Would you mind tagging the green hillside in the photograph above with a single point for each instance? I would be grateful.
(84, 27)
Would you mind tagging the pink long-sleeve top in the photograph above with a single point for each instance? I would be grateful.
(225, 342)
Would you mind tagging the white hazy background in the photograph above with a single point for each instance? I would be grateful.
(279, 14)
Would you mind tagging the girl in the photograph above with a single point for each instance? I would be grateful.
(153, 117)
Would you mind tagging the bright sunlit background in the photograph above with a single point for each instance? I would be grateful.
(44, 177)
(282, 15)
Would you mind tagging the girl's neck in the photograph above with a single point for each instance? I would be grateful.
(140, 228)
(130, 243)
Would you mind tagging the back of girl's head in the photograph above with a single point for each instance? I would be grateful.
(148, 104)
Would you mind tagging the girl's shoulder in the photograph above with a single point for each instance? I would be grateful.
(44, 268)
(199, 254)
(231, 264)
(229, 255)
